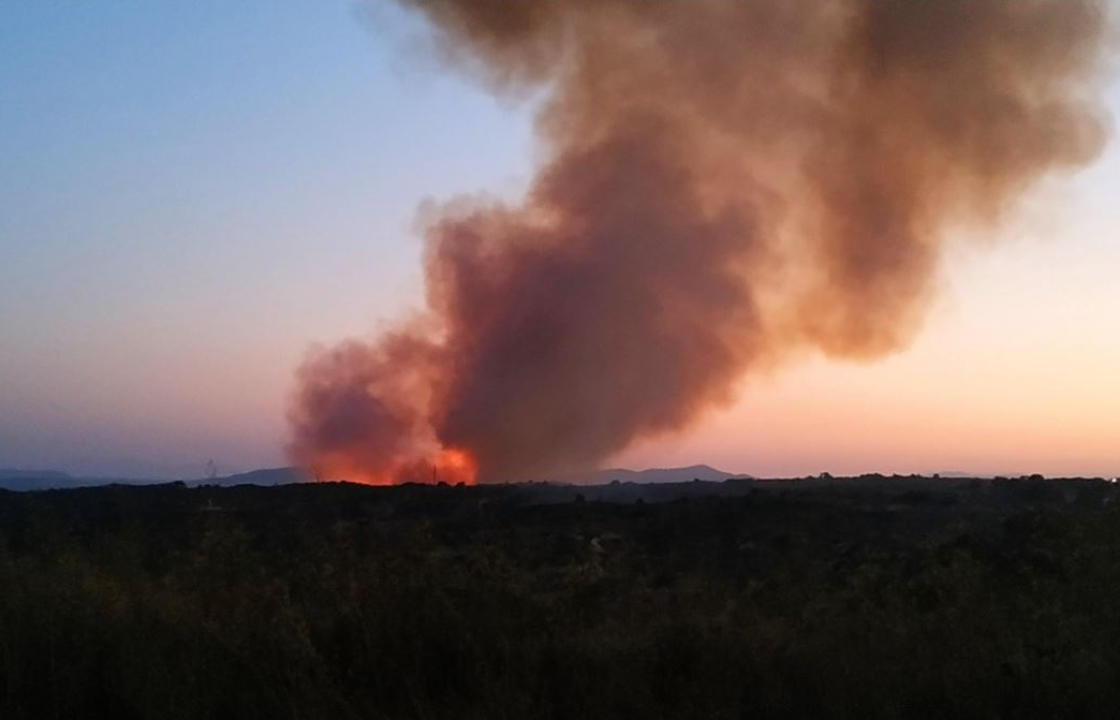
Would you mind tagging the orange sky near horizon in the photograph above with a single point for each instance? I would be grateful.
(1017, 370)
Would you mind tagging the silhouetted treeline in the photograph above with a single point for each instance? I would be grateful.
(870, 598)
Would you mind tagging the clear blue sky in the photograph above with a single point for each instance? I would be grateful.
(192, 192)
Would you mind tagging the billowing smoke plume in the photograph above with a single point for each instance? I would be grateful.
(725, 180)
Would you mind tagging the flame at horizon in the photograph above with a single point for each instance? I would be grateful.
(726, 181)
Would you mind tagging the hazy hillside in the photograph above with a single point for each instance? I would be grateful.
(13, 479)
(13, 474)
(23, 480)
(652, 475)
(267, 476)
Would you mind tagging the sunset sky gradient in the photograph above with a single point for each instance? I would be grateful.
(193, 193)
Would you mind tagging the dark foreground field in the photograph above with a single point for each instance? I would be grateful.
(861, 599)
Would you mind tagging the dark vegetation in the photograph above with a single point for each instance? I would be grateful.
(851, 598)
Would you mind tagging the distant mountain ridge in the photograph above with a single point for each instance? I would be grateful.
(651, 475)
(31, 480)
(286, 475)
(22, 480)
(13, 474)
(265, 476)
(26, 480)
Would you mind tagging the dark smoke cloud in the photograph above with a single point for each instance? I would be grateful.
(726, 180)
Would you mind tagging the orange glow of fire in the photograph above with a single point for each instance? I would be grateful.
(455, 465)
(450, 465)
